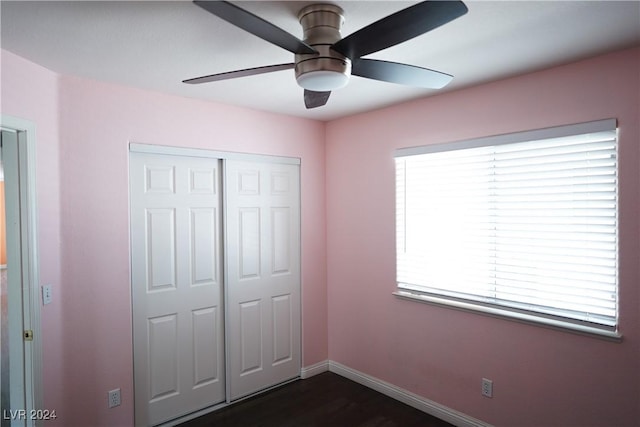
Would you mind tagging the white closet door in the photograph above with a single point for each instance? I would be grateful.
(176, 285)
(263, 274)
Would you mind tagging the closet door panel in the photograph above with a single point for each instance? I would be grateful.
(262, 206)
(176, 284)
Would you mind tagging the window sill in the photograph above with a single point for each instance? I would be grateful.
(510, 315)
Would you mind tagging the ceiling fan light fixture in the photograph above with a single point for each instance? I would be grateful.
(322, 80)
(324, 60)
(325, 70)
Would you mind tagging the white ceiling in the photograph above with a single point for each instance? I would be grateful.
(157, 44)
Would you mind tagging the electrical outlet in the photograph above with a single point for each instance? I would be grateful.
(114, 398)
(487, 388)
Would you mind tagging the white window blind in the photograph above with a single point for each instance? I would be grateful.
(526, 222)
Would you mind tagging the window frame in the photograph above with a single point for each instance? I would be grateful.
(514, 314)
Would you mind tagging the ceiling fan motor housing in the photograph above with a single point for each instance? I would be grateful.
(326, 70)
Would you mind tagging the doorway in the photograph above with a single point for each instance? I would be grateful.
(20, 373)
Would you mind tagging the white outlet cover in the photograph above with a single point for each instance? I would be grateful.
(114, 398)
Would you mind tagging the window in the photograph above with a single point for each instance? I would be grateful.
(522, 225)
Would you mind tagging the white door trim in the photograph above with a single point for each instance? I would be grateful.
(29, 245)
(135, 147)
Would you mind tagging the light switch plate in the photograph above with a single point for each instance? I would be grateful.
(46, 294)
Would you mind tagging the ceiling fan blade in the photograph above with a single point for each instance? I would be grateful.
(239, 73)
(314, 99)
(399, 27)
(404, 74)
(255, 25)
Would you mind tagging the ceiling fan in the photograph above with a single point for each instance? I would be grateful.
(324, 60)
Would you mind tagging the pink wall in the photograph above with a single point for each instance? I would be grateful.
(541, 376)
(97, 122)
(30, 92)
(88, 348)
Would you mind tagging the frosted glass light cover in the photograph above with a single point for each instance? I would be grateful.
(322, 80)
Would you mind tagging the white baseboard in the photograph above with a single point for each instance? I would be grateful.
(315, 369)
(425, 405)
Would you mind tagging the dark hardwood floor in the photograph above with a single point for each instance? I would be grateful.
(323, 400)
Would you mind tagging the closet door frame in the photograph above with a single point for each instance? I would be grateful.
(223, 156)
